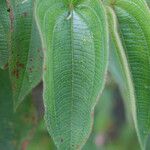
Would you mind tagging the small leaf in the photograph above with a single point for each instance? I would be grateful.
(16, 129)
(76, 42)
(4, 34)
(26, 57)
(134, 19)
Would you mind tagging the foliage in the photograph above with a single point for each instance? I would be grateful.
(78, 48)
(16, 129)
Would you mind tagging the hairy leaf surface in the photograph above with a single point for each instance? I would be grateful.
(134, 19)
(76, 54)
(25, 60)
(4, 33)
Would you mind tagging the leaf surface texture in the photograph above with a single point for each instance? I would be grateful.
(76, 55)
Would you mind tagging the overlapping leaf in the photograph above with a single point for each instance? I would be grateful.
(134, 19)
(25, 60)
(75, 38)
(4, 33)
(118, 65)
(16, 129)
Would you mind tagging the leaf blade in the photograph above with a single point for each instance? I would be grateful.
(26, 56)
(134, 32)
(72, 57)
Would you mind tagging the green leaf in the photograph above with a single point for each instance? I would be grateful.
(76, 42)
(4, 34)
(25, 60)
(16, 129)
(118, 65)
(135, 34)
